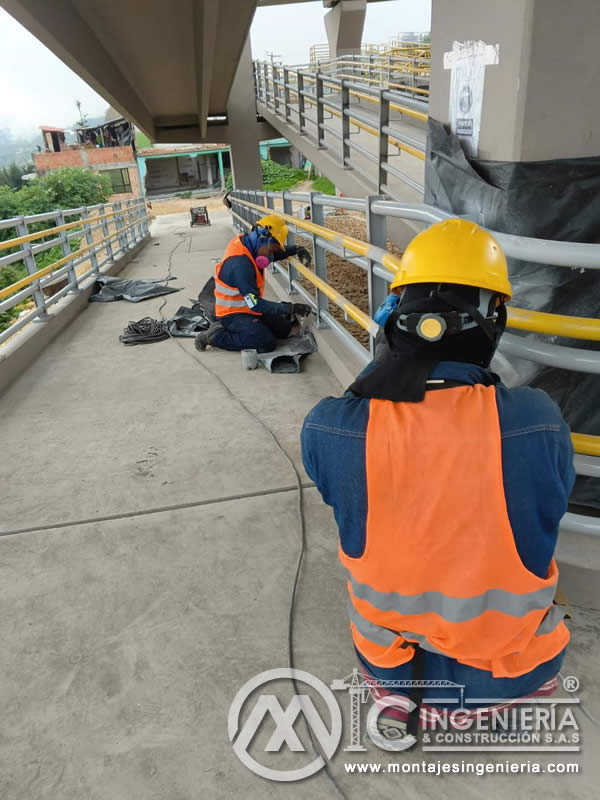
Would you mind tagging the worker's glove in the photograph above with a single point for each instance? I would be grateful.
(304, 256)
(301, 309)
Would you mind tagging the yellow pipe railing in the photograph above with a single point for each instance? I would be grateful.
(31, 237)
(362, 126)
(554, 324)
(41, 273)
(583, 443)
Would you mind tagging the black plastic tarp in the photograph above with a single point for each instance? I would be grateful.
(558, 200)
(108, 289)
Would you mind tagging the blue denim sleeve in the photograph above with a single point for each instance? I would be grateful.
(538, 472)
(334, 454)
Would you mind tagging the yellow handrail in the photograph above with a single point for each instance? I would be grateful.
(31, 237)
(396, 142)
(41, 273)
(554, 324)
(583, 443)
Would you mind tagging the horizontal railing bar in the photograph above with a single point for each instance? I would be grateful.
(541, 251)
(358, 350)
(305, 294)
(401, 137)
(418, 187)
(20, 323)
(587, 465)
(551, 355)
(52, 269)
(366, 153)
(579, 523)
(369, 178)
(5, 305)
(50, 301)
(350, 203)
(12, 257)
(41, 248)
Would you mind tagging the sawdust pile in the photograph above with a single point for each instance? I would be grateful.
(347, 278)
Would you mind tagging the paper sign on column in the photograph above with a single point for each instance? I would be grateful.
(468, 61)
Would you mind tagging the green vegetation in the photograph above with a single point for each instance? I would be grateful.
(61, 189)
(184, 195)
(276, 177)
(11, 175)
(141, 140)
(323, 185)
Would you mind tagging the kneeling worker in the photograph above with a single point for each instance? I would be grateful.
(245, 320)
(448, 489)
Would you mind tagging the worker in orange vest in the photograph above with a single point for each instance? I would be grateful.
(245, 320)
(448, 489)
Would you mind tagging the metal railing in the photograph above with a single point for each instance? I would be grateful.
(289, 92)
(380, 267)
(409, 74)
(128, 221)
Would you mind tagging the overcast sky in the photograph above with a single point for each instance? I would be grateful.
(36, 88)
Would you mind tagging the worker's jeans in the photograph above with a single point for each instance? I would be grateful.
(247, 332)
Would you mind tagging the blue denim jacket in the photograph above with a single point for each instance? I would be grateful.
(538, 474)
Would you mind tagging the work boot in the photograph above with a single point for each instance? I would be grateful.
(205, 338)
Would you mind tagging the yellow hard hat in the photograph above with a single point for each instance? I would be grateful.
(455, 251)
(277, 227)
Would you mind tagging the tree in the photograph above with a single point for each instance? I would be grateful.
(83, 118)
(11, 175)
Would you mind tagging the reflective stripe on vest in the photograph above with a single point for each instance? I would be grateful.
(228, 299)
(386, 638)
(440, 566)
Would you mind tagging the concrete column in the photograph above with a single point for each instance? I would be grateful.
(344, 27)
(538, 101)
(244, 138)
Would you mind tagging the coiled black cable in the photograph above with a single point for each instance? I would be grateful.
(144, 331)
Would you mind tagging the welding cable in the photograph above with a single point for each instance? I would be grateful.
(144, 331)
(301, 519)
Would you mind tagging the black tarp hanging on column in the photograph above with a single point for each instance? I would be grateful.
(558, 200)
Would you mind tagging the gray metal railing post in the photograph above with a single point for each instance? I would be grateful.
(301, 107)
(345, 98)
(266, 76)
(145, 218)
(320, 257)
(119, 224)
(131, 222)
(65, 246)
(31, 267)
(383, 152)
(270, 202)
(286, 94)
(257, 79)
(377, 235)
(320, 110)
(288, 208)
(275, 71)
(105, 232)
(89, 238)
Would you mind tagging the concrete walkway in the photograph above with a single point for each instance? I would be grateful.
(153, 538)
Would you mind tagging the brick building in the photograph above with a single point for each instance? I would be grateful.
(100, 149)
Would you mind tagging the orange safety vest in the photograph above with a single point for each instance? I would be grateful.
(228, 299)
(440, 566)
